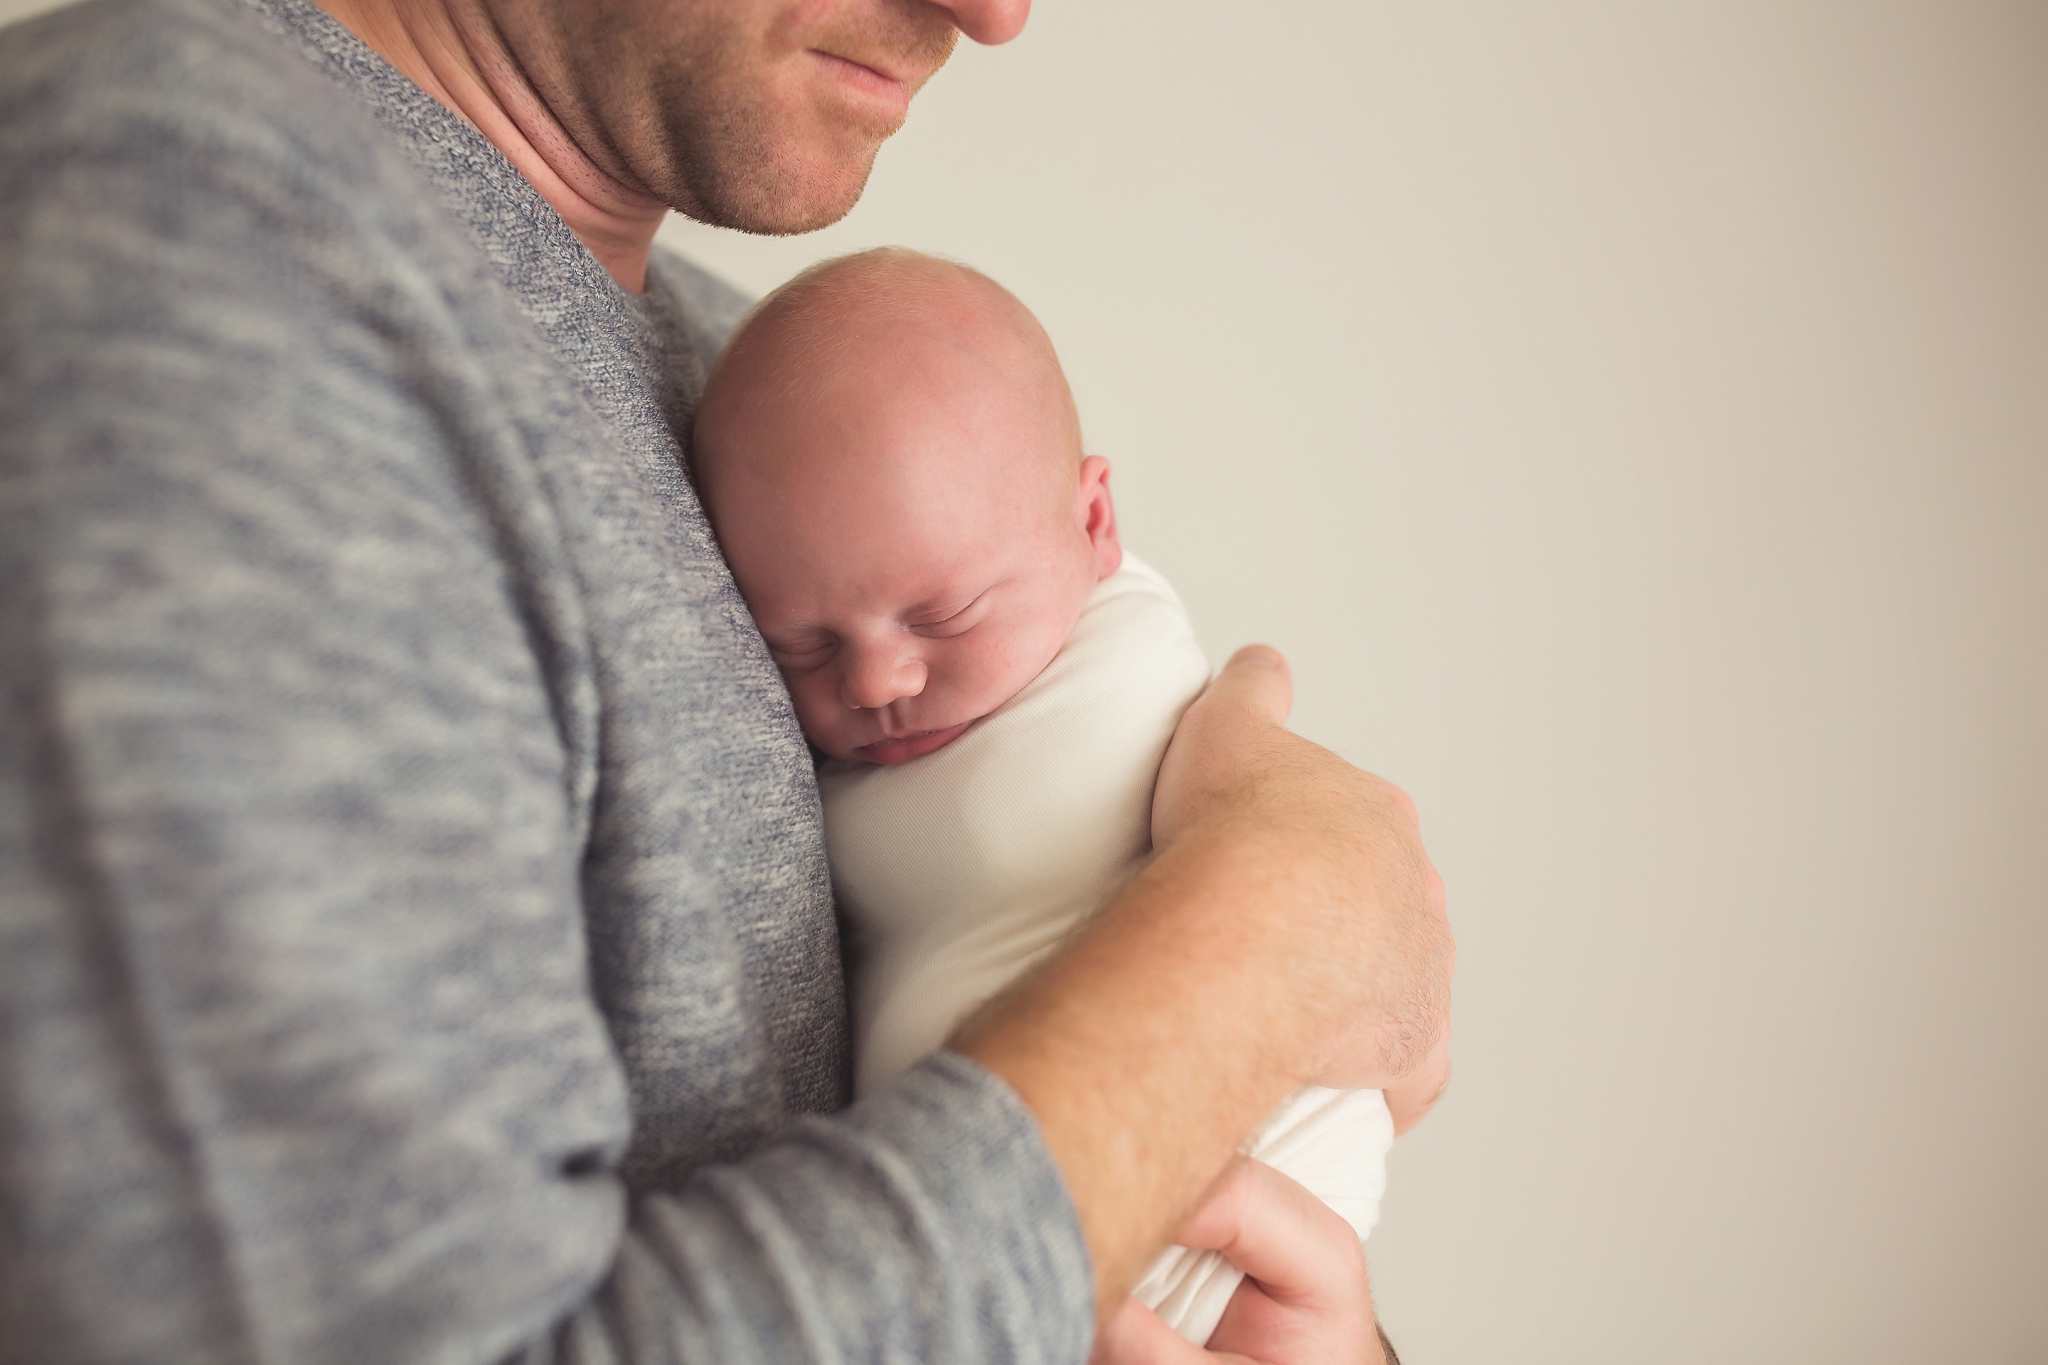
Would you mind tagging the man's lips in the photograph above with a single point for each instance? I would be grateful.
(876, 79)
(907, 747)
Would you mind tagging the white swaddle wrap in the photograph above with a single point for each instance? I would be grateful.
(958, 870)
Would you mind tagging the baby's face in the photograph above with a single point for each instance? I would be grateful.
(915, 538)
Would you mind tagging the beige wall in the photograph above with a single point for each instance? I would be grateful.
(1633, 421)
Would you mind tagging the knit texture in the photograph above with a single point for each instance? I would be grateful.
(415, 935)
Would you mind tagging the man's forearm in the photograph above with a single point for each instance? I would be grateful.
(1143, 1051)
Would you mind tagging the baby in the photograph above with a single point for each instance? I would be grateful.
(892, 460)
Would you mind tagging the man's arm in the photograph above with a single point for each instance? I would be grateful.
(302, 1054)
(1290, 930)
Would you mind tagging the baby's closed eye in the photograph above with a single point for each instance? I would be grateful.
(801, 652)
(949, 621)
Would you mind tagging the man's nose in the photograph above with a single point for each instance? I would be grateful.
(989, 21)
(875, 677)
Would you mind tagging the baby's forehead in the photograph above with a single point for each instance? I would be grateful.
(896, 360)
(895, 299)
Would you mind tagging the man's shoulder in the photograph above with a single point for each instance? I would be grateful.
(710, 307)
(175, 88)
(116, 55)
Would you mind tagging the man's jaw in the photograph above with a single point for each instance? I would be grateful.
(903, 748)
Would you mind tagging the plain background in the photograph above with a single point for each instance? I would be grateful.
(1632, 420)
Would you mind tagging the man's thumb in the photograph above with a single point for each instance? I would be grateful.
(1222, 736)
(1257, 676)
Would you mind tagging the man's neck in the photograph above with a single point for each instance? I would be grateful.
(450, 49)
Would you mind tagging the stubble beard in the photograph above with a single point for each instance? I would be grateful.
(730, 162)
(729, 165)
(676, 99)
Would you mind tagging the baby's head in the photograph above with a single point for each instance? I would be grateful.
(892, 461)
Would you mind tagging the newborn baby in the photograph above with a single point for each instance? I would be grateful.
(892, 460)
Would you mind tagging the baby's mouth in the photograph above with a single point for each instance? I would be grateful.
(907, 747)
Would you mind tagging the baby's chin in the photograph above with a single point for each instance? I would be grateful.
(907, 747)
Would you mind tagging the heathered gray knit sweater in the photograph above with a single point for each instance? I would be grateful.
(415, 940)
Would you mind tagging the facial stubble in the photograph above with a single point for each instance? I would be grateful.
(683, 98)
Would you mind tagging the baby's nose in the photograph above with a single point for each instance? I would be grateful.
(876, 677)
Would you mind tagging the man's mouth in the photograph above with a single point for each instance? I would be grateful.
(894, 70)
(875, 82)
(906, 747)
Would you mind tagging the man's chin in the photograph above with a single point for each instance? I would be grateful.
(806, 198)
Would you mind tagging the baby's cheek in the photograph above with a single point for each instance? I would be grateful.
(1027, 652)
(809, 712)
(827, 723)
(1001, 671)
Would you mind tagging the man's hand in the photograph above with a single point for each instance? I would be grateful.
(1381, 964)
(1304, 1300)
(1289, 929)
(1410, 1099)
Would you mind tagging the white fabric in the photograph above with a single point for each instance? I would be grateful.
(958, 870)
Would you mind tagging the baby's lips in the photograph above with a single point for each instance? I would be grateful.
(888, 751)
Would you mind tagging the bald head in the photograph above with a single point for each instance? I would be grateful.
(890, 457)
(889, 321)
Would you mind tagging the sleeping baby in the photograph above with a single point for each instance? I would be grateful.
(892, 460)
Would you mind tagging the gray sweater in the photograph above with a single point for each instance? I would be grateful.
(415, 938)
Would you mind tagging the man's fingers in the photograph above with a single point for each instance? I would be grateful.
(1269, 1226)
(1304, 1297)
(1410, 1100)
(1138, 1336)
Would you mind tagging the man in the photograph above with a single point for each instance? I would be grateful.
(417, 939)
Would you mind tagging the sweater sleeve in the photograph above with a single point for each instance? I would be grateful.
(299, 1054)
(924, 1224)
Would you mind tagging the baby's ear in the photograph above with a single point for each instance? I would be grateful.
(1096, 515)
